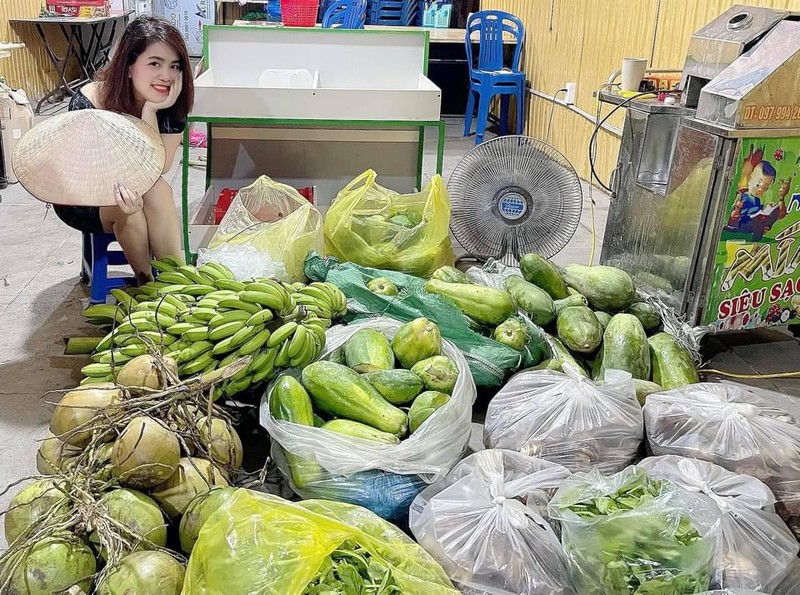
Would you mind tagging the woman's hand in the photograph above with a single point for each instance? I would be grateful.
(128, 201)
(174, 92)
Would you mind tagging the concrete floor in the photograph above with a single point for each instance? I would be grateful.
(41, 299)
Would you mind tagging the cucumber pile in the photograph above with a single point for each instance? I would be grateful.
(371, 388)
(204, 318)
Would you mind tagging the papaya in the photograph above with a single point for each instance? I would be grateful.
(416, 340)
(337, 356)
(485, 305)
(438, 373)
(647, 315)
(401, 220)
(560, 355)
(318, 421)
(644, 388)
(531, 300)
(579, 329)
(355, 429)
(603, 318)
(541, 272)
(368, 350)
(673, 366)
(625, 348)
(342, 392)
(424, 406)
(651, 281)
(606, 288)
(396, 386)
(382, 286)
(574, 299)
(449, 274)
(512, 333)
(289, 401)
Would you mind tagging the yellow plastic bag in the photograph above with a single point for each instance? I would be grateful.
(376, 227)
(274, 219)
(258, 543)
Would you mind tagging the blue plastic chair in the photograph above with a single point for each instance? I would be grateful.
(345, 14)
(492, 76)
(95, 262)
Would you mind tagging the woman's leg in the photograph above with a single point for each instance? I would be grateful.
(163, 226)
(131, 233)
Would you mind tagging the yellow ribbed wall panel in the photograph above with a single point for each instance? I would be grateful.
(28, 68)
(585, 40)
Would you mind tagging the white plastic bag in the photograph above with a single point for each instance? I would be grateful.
(755, 548)
(485, 524)
(245, 262)
(382, 477)
(630, 534)
(567, 419)
(736, 426)
(274, 219)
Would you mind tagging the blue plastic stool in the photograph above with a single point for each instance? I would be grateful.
(345, 14)
(96, 260)
(493, 77)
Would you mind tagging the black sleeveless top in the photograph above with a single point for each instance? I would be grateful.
(87, 219)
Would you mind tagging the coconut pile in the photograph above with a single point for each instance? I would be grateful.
(128, 467)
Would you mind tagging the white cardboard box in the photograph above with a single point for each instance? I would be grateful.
(189, 16)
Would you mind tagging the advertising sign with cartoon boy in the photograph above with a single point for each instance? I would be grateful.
(756, 279)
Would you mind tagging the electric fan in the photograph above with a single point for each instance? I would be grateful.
(513, 195)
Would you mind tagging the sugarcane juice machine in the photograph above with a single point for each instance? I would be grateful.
(705, 212)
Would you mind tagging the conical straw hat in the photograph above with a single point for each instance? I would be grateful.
(76, 158)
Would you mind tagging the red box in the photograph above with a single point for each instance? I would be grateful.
(224, 200)
(80, 8)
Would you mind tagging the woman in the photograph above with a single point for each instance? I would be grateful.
(149, 77)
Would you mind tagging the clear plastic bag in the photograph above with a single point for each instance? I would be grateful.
(258, 543)
(382, 477)
(755, 548)
(567, 419)
(629, 534)
(376, 227)
(744, 429)
(274, 219)
(245, 262)
(485, 524)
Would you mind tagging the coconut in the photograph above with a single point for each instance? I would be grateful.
(221, 441)
(104, 470)
(144, 572)
(53, 454)
(197, 513)
(52, 565)
(76, 410)
(145, 454)
(144, 371)
(194, 476)
(32, 503)
(139, 514)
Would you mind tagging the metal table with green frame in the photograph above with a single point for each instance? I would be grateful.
(345, 113)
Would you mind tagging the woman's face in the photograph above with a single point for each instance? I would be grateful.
(154, 72)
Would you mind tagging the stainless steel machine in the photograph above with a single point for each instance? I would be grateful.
(706, 205)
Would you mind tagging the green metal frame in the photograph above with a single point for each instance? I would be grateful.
(309, 123)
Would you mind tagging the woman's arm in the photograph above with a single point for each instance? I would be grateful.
(171, 144)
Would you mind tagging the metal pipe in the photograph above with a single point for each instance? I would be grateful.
(610, 129)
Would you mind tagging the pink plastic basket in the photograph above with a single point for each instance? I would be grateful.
(299, 13)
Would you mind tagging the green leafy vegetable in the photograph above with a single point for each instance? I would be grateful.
(351, 570)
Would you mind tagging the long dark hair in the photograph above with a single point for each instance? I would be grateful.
(117, 90)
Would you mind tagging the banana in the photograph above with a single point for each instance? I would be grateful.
(123, 339)
(316, 291)
(97, 370)
(145, 306)
(228, 316)
(211, 272)
(197, 290)
(123, 298)
(171, 288)
(109, 311)
(255, 343)
(134, 350)
(226, 330)
(211, 367)
(266, 285)
(236, 303)
(98, 356)
(318, 332)
(173, 260)
(231, 284)
(196, 365)
(234, 388)
(174, 278)
(195, 275)
(298, 286)
(263, 365)
(243, 335)
(199, 333)
(115, 357)
(179, 328)
(91, 380)
(208, 302)
(262, 317)
(281, 334)
(338, 299)
(224, 346)
(135, 326)
(222, 269)
(297, 342)
(185, 298)
(220, 293)
(175, 301)
(193, 351)
(229, 359)
(105, 343)
(164, 308)
(178, 346)
(268, 300)
(149, 290)
(204, 314)
(282, 359)
(162, 266)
